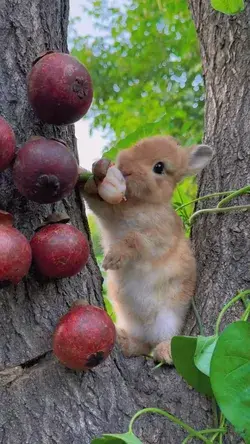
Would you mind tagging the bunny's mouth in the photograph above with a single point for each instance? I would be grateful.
(126, 176)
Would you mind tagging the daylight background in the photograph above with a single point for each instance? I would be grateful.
(89, 146)
(144, 61)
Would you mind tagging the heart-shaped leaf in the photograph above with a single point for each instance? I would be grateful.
(228, 6)
(203, 353)
(128, 438)
(183, 350)
(230, 376)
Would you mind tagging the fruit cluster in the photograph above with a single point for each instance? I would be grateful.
(45, 171)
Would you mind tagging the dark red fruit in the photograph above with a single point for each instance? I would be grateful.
(59, 250)
(15, 254)
(84, 337)
(7, 144)
(45, 171)
(59, 88)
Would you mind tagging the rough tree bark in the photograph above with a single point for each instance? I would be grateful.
(42, 402)
(222, 241)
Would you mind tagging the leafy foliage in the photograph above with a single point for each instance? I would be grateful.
(183, 351)
(228, 6)
(204, 352)
(230, 375)
(150, 129)
(145, 67)
(184, 193)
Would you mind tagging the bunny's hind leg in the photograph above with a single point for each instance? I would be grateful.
(170, 319)
(130, 331)
(131, 346)
(167, 324)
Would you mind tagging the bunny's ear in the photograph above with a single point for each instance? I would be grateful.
(199, 156)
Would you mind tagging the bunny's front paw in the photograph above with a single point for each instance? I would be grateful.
(100, 168)
(114, 260)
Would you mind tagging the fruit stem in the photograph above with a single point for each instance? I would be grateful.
(78, 302)
(6, 218)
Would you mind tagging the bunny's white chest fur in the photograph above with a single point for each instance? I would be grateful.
(146, 288)
(139, 287)
(149, 294)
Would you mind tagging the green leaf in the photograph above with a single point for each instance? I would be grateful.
(128, 438)
(203, 353)
(99, 441)
(147, 130)
(183, 350)
(109, 308)
(106, 439)
(228, 6)
(230, 375)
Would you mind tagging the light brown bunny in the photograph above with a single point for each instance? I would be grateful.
(151, 268)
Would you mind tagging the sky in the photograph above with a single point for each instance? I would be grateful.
(89, 147)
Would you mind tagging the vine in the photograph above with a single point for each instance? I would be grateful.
(217, 366)
(218, 359)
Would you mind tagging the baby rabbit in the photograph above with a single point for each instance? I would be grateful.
(151, 268)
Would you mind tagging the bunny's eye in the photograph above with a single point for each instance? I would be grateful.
(159, 168)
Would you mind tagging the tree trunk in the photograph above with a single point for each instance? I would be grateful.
(41, 401)
(222, 242)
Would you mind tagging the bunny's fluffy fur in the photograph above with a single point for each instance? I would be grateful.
(151, 267)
